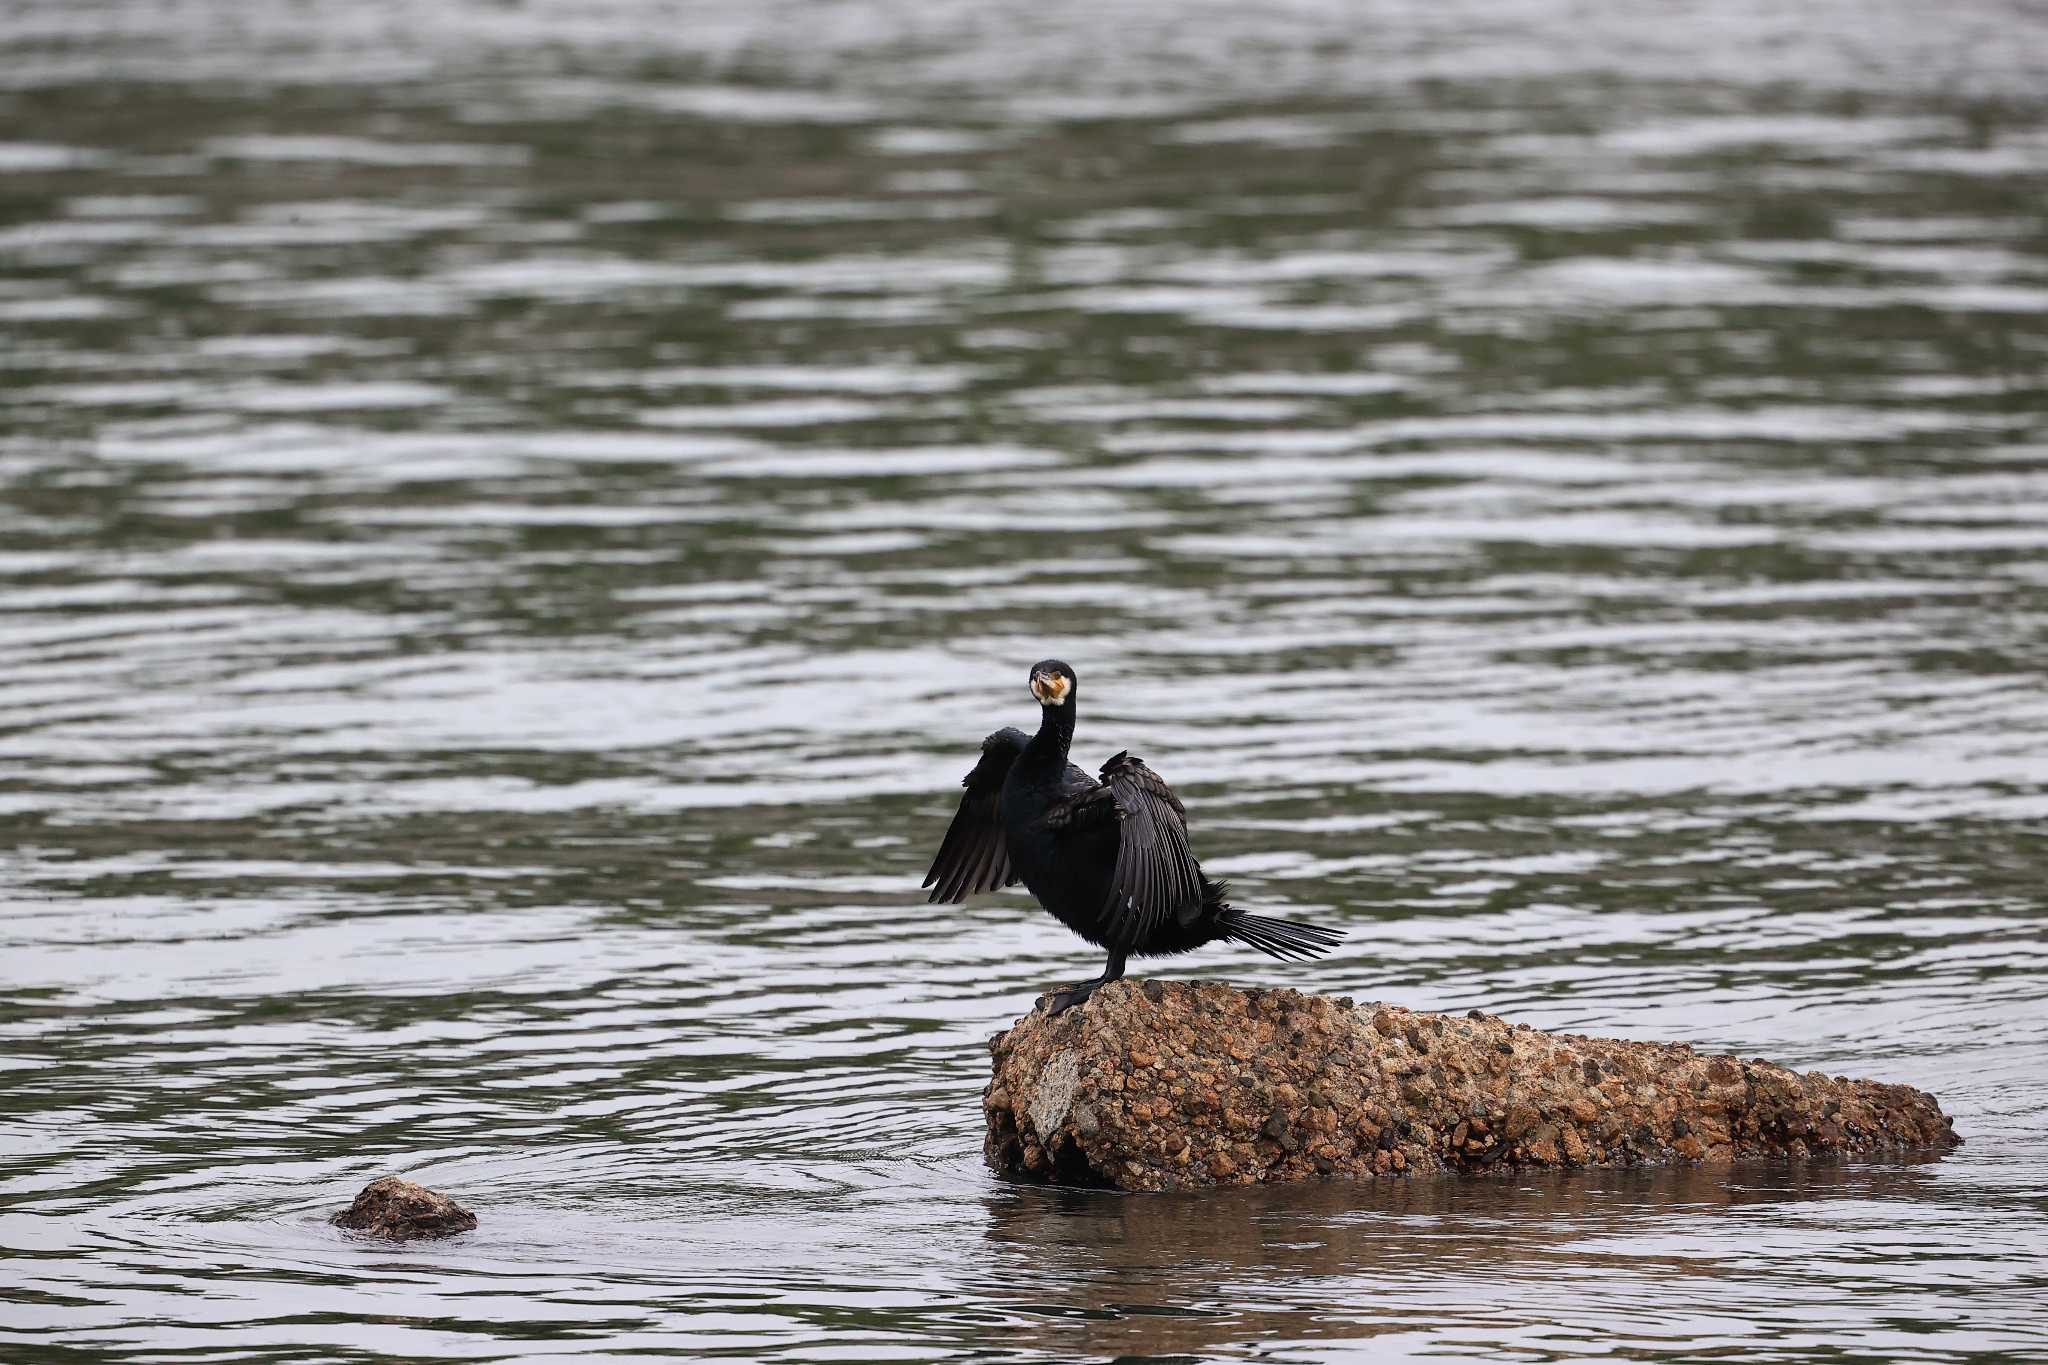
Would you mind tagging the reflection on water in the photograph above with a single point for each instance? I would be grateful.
(1573, 1260)
(513, 520)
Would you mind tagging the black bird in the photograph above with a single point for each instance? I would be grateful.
(1109, 859)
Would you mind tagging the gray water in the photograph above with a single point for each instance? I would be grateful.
(514, 518)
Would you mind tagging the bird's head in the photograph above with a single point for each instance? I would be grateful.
(1052, 682)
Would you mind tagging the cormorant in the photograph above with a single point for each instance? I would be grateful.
(1109, 859)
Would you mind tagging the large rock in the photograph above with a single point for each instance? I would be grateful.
(1156, 1085)
(390, 1206)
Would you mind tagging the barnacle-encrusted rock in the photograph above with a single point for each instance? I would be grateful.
(393, 1207)
(1168, 1084)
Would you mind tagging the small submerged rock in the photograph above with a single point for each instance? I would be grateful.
(390, 1206)
(1172, 1084)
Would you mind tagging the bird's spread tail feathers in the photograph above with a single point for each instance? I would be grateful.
(1285, 939)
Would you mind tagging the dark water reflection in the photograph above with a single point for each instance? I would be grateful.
(513, 518)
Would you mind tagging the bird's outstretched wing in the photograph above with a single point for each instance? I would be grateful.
(1156, 880)
(972, 858)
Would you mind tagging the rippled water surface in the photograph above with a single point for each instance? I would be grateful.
(513, 519)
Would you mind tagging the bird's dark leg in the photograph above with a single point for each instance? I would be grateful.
(1074, 995)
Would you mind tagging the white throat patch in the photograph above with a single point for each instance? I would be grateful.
(1050, 691)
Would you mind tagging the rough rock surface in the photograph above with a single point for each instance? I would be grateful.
(393, 1207)
(1169, 1084)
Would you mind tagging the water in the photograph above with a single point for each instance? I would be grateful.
(514, 518)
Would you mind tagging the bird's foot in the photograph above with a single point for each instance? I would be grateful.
(1070, 997)
(1113, 970)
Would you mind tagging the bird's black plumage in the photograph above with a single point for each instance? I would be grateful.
(1108, 857)
(972, 858)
